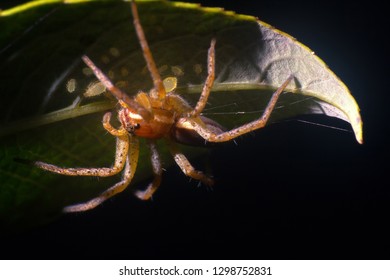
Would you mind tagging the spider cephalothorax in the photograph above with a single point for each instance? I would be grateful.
(158, 125)
(156, 115)
(164, 119)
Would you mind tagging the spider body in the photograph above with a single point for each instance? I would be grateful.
(165, 120)
(156, 128)
(157, 115)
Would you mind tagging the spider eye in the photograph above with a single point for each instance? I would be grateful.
(134, 127)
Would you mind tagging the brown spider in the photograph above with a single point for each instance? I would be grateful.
(156, 115)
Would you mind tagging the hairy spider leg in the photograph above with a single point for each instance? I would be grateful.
(182, 161)
(117, 92)
(122, 147)
(210, 136)
(201, 104)
(157, 171)
(128, 174)
(113, 131)
(158, 84)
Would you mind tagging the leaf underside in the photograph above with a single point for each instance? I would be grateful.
(40, 50)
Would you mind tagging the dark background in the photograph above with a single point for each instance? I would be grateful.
(290, 191)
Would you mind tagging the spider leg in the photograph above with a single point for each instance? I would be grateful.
(182, 161)
(113, 131)
(210, 136)
(117, 92)
(122, 148)
(158, 84)
(157, 171)
(122, 145)
(208, 84)
(128, 174)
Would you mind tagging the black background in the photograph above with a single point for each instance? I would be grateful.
(290, 191)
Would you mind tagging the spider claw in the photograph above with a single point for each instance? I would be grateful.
(143, 195)
(209, 188)
(208, 181)
(75, 208)
(69, 209)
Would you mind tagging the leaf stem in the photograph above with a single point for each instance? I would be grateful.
(56, 116)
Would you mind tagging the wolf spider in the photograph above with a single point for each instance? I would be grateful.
(153, 116)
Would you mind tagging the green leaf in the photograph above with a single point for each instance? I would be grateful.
(44, 114)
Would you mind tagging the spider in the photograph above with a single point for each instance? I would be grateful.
(156, 115)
